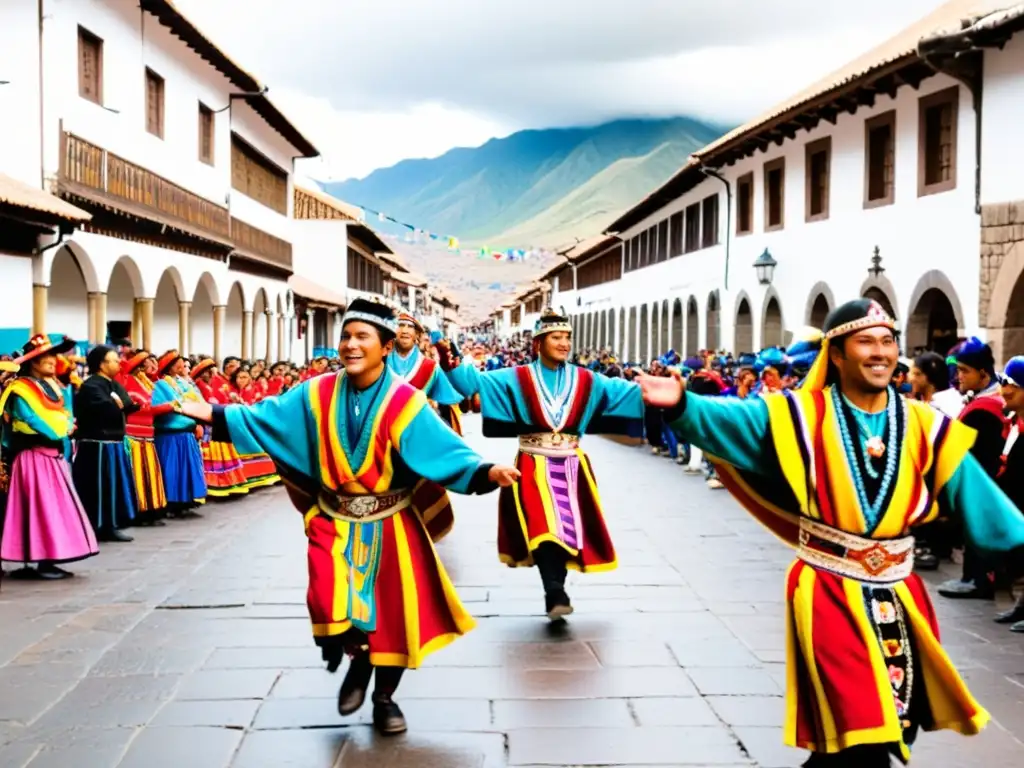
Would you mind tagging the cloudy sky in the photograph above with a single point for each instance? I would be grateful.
(374, 81)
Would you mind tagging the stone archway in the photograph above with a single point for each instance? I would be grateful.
(820, 302)
(932, 324)
(692, 328)
(643, 345)
(165, 331)
(124, 315)
(628, 353)
(665, 340)
(259, 325)
(744, 336)
(204, 300)
(232, 331)
(880, 289)
(772, 326)
(67, 304)
(1003, 315)
(714, 322)
(676, 340)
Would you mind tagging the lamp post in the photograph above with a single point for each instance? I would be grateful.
(765, 267)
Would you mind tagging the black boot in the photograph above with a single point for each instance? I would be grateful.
(114, 534)
(550, 559)
(51, 572)
(1013, 615)
(352, 693)
(387, 715)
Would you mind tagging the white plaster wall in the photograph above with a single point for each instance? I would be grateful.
(19, 99)
(16, 308)
(1002, 153)
(915, 235)
(319, 253)
(132, 41)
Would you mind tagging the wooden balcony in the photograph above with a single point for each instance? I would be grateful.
(257, 245)
(96, 175)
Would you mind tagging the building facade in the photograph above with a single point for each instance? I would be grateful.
(882, 179)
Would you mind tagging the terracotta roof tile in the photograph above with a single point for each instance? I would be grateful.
(17, 193)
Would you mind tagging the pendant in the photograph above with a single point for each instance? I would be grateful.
(875, 447)
(356, 409)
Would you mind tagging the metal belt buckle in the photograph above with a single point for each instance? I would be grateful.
(361, 506)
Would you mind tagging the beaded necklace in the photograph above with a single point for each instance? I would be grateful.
(556, 407)
(872, 510)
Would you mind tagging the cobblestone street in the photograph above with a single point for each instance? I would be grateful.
(191, 647)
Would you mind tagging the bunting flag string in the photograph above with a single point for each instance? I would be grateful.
(418, 234)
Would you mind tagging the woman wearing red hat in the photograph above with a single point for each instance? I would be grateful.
(45, 522)
(225, 473)
(148, 477)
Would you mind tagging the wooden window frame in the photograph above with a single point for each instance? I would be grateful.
(206, 113)
(746, 178)
(705, 204)
(689, 247)
(811, 149)
(885, 118)
(779, 164)
(675, 235)
(240, 146)
(951, 96)
(154, 76)
(85, 36)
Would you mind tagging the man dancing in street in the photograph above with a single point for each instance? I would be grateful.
(367, 461)
(552, 518)
(841, 469)
(408, 362)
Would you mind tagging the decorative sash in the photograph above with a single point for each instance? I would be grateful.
(422, 373)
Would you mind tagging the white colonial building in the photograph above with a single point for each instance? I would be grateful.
(874, 181)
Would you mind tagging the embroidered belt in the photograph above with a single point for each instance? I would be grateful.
(549, 444)
(873, 561)
(367, 508)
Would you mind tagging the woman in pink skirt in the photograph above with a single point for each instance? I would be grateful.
(44, 521)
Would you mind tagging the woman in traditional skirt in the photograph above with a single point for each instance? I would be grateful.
(102, 468)
(45, 522)
(259, 467)
(225, 473)
(177, 438)
(147, 476)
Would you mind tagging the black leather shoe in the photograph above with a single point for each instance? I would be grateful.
(115, 535)
(388, 718)
(1013, 615)
(352, 693)
(1018, 627)
(925, 560)
(53, 573)
(557, 605)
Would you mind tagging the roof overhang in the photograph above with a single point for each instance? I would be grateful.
(409, 278)
(315, 293)
(36, 205)
(368, 238)
(255, 92)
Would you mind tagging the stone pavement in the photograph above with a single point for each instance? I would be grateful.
(190, 649)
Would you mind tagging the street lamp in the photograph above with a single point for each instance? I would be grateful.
(765, 266)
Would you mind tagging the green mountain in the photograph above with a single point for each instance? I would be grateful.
(535, 187)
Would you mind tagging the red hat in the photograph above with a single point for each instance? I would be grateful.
(40, 345)
(202, 365)
(129, 365)
(169, 358)
(407, 317)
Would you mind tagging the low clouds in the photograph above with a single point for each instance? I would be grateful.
(431, 74)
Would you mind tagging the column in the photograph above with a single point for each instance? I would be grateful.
(184, 308)
(247, 345)
(219, 313)
(101, 318)
(269, 317)
(412, 299)
(137, 325)
(90, 312)
(40, 294)
(146, 317)
(309, 335)
(281, 351)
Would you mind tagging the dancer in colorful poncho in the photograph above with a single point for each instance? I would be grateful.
(150, 497)
(177, 437)
(553, 517)
(423, 373)
(225, 473)
(365, 458)
(842, 469)
(44, 520)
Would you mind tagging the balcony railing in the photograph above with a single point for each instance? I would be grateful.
(262, 245)
(91, 170)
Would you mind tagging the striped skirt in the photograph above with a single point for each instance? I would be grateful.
(555, 500)
(105, 483)
(224, 470)
(146, 475)
(259, 470)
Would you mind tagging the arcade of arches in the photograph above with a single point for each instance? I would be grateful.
(193, 324)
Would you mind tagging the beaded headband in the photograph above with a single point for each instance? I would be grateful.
(388, 324)
(876, 317)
